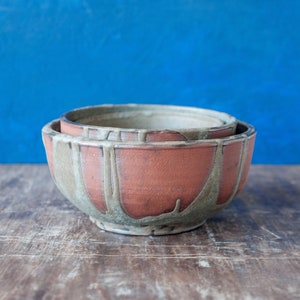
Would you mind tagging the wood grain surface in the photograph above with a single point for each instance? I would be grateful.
(50, 250)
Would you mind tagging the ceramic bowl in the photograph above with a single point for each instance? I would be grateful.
(147, 123)
(152, 188)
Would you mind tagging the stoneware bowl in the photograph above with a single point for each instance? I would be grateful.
(152, 188)
(147, 123)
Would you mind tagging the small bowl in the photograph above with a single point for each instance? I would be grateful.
(147, 123)
(152, 188)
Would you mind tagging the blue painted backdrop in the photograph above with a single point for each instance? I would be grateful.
(237, 56)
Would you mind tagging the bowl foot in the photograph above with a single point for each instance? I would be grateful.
(145, 229)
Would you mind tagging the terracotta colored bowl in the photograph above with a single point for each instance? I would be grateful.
(154, 122)
(149, 188)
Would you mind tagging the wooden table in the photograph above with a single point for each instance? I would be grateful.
(50, 250)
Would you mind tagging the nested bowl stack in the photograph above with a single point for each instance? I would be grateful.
(144, 186)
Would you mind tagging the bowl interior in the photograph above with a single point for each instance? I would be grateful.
(150, 117)
(151, 121)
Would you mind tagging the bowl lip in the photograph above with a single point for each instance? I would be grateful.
(227, 119)
(48, 130)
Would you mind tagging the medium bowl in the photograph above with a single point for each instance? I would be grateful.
(147, 123)
(152, 188)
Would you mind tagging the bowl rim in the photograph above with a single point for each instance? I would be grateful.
(226, 119)
(52, 129)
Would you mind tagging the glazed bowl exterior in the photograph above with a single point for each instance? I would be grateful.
(152, 188)
(147, 123)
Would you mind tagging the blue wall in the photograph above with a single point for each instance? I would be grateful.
(237, 56)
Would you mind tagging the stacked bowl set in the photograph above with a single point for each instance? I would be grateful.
(148, 169)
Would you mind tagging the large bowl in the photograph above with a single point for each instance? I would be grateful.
(153, 188)
(147, 123)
